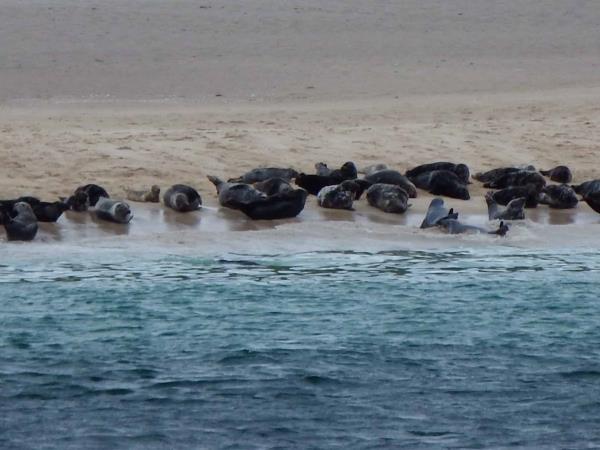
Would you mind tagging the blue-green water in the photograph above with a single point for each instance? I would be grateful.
(315, 350)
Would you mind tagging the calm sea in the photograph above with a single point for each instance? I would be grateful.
(470, 349)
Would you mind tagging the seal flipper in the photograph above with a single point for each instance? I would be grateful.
(502, 229)
(436, 212)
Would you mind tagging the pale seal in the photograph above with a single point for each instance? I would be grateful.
(182, 198)
(335, 197)
(113, 210)
(389, 176)
(442, 182)
(389, 198)
(151, 195)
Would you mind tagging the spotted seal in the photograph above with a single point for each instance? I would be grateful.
(182, 198)
(389, 198)
(436, 212)
(559, 196)
(264, 173)
(151, 195)
(335, 197)
(113, 210)
(461, 170)
(389, 176)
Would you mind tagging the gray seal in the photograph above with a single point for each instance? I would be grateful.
(264, 173)
(20, 223)
(113, 210)
(274, 186)
(436, 212)
(442, 182)
(235, 195)
(518, 178)
(389, 176)
(335, 197)
(151, 195)
(587, 187)
(560, 174)
(559, 196)
(388, 197)
(515, 210)
(461, 170)
(182, 198)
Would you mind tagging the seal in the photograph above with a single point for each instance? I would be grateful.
(335, 197)
(369, 170)
(389, 198)
(314, 183)
(515, 210)
(442, 182)
(453, 226)
(322, 169)
(593, 200)
(436, 212)
(264, 173)
(94, 192)
(560, 174)
(494, 174)
(235, 195)
(78, 202)
(151, 196)
(518, 178)
(461, 170)
(113, 210)
(389, 176)
(283, 205)
(182, 198)
(587, 187)
(559, 196)
(530, 192)
(20, 223)
(274, 186)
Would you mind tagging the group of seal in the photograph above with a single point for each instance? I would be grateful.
(268, 194)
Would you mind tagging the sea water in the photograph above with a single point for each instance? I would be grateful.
(465, 349)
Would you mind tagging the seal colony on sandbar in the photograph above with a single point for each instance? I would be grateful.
(270, 194)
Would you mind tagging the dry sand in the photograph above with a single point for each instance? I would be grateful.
(129, 94)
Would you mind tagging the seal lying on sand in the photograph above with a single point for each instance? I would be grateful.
(234, 195)
(335, 197)
(373, 168)
(264, 173)
(388, 198)
(530, 192)
(182, 198)
(461, 170)
(20, 223)
(442, 182)
(513, 211)
(453, 226)
(150, 196)
(389, 176)
(113, 210)
(94, 192)
(436, 212)
(518, 178)
(593, 200)
(560, 174)
(587, 187)
(494, 174)
(274, 186)
(559, 196)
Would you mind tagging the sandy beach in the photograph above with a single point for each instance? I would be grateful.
(130, 101)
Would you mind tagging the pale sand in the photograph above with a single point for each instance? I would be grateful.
(129, 94)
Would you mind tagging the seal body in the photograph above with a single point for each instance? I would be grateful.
(389, 198)
(283, 205)
(442, 182)
(182, 198)
(235, 195)
(515, 210)
(264, 173)
(454, 226)
(20, 223)
(151, 195)
(559, 196)
(587, 187)
(530, 192)
(113, 210)
(518, 178)
(389, 176)
(494, 174)
(369, 170)
(593, 200)
(436, 212)
(94, 192)
(461, 170)
(560, 174)
(335, 197)
(274, 186)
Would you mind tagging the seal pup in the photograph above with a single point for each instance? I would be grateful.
(436, 212)
(515, 210)
(20, 223)
(593, 200)
(530, 192)
(389, 198)
(518, 178)
(150, 196)
(389, 176)
(461, 170)
(274, 186)
(493, 174)
(182, 198)
(284, 205)
(560, 174)
(113, 210)
(335, 197)
(559, 196)
(235, 195)
(442, 182)
(264, 173)
(587, 187)
(373, 168)
(94, 192)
